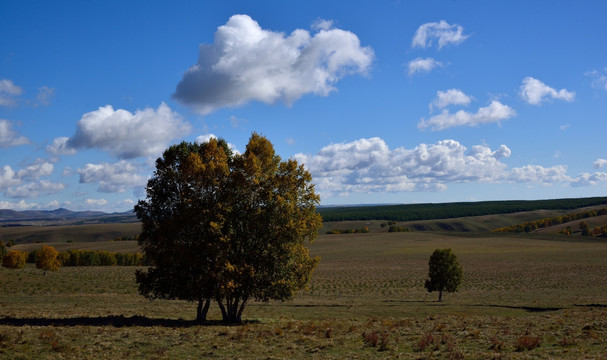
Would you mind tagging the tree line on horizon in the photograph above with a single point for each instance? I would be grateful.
(416, 212)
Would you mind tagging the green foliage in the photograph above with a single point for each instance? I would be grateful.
(229, 227)
(64, 258)
(14, 259)
(127, 238)
(585, 229)
(394, 228)
(388, 223)
(31, 257)
(100, 258)
(89, 258)
(414, 212)
(444, 272)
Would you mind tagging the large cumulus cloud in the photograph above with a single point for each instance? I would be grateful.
(248, 63)
(124, 134)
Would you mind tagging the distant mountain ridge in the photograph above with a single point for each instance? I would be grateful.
(61, 214)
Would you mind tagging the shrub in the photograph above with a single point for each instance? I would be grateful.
(31, 257)
(496, 344)
(89, 258)
(74, 257)
(15, 259)
(370, 339)
(527, 342)
(107, 259)
(348, 231)
(64, 258)
(426, 341)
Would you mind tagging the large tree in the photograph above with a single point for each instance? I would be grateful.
(227, 227)
(444, 272)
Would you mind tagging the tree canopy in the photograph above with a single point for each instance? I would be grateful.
(14, 259)
(46, 259)
(227, 227)
(444, 272)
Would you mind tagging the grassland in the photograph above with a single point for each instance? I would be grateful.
(68, 233)
(366, 300)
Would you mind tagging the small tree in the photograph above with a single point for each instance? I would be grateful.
(444, 272)
(585, 229)
(15, 259)
(46, 259)
(3, 249)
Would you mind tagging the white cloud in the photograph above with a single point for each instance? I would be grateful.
(35, 189)
(599, 163)
(8, 137)
(60, 146)
(599, 78)
(45, 94)
(8, 177)
(36, 170)
(206, 137)
(587, 179)
(322, 24)
(450, 97)
(445, 34)
(534, 92)
(21, 205)
(112, 178)
(539, 174)
(368, 165)
(95, 202)
(495, 112)
(124, 134)
(8, 91)
(249, 63)
(422, 65)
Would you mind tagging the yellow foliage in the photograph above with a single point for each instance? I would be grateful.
(46, 259)
(15, 259)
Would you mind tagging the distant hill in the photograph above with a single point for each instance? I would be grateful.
(61, 217)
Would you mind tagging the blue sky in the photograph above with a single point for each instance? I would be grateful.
(384, 101)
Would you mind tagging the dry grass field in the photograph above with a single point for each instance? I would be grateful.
(521, 298)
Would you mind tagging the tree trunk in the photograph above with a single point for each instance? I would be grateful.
(224, 314)
(231, 312)
(440, 296)
(242, 306)
(202, 310)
